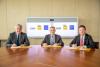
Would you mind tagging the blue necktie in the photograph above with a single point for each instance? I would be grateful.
(52, 40)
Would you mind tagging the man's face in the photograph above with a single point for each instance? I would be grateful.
(82, 31)
(52, 30)
(18, 29)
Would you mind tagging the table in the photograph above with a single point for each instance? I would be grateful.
(38, 56)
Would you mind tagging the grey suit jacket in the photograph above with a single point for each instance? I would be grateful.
(13, 39)
(58, 39)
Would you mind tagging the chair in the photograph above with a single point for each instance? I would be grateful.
(96, 45)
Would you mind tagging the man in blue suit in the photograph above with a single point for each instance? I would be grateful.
(52, 38)
(83, 39)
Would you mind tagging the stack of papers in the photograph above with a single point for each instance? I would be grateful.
(22, 47)
(53, 46)
(78, 48)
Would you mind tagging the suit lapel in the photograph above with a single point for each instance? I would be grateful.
(15, 37)
(49, 38)
(78, 40)
(20, 38)
(55, 38)
(85, 39)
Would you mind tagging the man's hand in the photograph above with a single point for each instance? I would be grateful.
(22, 45)
(74, 45)
(45, 44)
(14, 45)
(56, 44)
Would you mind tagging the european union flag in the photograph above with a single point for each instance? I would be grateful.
(45, 27)
(71, 27)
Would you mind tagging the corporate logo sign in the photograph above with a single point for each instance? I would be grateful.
(39, 27)
(64, 27)
(46, 27)
(71, 27)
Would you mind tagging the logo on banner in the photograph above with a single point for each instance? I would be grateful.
(45, 27)
(39, 27)
(71, 27)
(64, 27)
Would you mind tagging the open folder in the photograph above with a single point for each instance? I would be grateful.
(22, 47)
(53, 46)
(78, 48)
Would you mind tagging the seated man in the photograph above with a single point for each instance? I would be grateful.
(52, 38)
(17, 38)
(83, 39)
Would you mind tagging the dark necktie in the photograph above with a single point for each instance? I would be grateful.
(17, 40)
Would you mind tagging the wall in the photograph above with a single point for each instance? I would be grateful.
(13, 12)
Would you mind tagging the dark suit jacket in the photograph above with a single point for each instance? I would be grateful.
(58, 39)
(88, 41)
(13, 39)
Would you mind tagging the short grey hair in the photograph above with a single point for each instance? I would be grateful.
(53, 27)
(19, 26)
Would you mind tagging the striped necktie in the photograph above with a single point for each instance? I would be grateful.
(81, 41)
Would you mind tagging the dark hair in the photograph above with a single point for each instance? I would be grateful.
(82, 26)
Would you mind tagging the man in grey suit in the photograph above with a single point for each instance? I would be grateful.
(17, 38)
(52, 39)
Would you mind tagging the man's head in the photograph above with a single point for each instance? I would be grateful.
(82, 29)
(52, 30)
(18, 28)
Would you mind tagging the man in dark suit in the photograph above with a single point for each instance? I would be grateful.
(17, 38)
(83, 39)
(52, 38)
